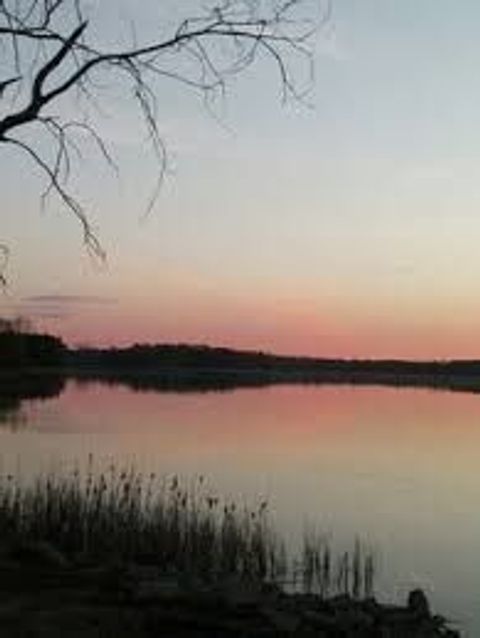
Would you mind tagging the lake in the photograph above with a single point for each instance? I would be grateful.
(400, 468)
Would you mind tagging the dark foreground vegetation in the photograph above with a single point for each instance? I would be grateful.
(117, 554)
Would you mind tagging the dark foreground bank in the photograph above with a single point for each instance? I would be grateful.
(114, 553)
(46, 598)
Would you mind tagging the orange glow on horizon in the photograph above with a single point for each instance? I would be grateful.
(287, 322)
(280, 337)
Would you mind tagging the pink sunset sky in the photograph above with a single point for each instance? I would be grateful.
(350, 229)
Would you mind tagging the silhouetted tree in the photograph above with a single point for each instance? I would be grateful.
(53, 48)
(16, 325)
(21, 350)
(20, 347)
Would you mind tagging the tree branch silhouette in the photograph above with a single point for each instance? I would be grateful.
(50, 51)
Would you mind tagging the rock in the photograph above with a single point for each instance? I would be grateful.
(371, 606)
(354, 619)
(342, 601)
(240, 593)
(319, 620)
(282, 621)
(418, 603)
(141, 602)
(41, 554)
(160, 591)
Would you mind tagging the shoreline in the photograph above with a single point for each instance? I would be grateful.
(45, 596)
(33, 382)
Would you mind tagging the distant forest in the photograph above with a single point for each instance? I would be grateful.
(152, 357)
(22, 348)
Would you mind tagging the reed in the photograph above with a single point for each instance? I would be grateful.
(350, 573)
(123, 515)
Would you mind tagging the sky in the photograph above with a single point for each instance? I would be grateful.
(347, 227)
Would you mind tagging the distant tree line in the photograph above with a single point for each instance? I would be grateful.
(147, 356)
(21, 348)
(182, 356)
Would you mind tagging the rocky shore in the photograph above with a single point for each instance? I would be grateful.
(50, 599)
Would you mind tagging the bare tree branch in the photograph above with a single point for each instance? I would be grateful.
(53, 183)
(4, 255)
(48, 52)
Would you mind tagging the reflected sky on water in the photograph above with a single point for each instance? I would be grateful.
(399, 467)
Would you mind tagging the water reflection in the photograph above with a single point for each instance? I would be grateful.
(397, 466)
(192, 379)
(15, 389)
(177, 382)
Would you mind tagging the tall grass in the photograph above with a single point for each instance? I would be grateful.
(350, 572)
(124, 515)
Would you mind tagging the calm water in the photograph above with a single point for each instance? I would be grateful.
(399, 467)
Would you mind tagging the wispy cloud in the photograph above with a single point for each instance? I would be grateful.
(57, 316)
(58, 307)
(70, 300)
(40, 311)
